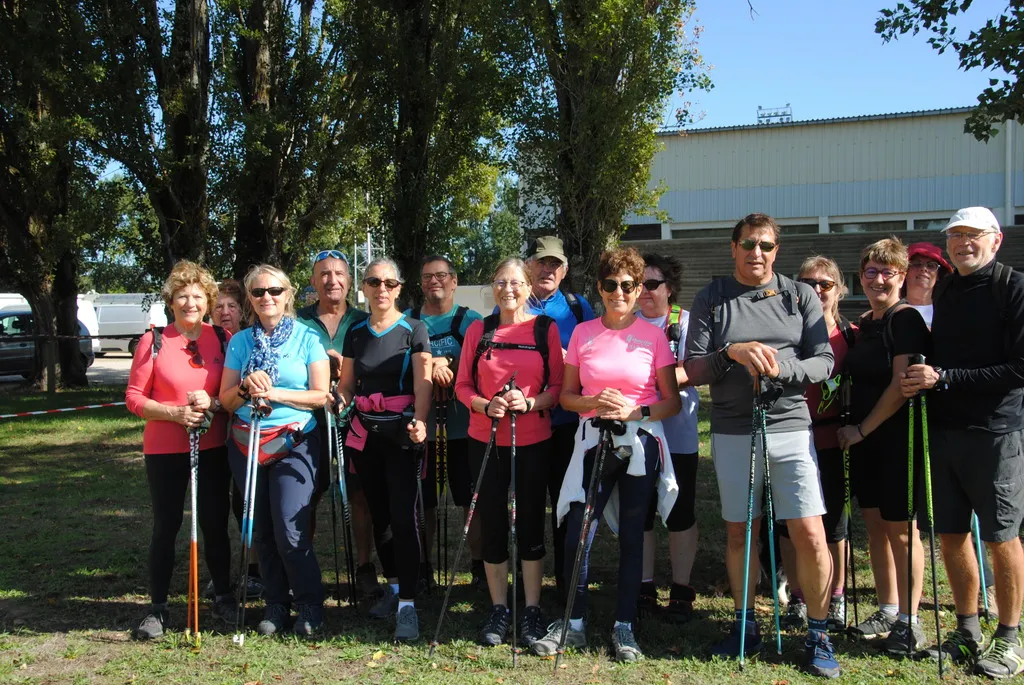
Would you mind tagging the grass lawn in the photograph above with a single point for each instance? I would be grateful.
(75, 515)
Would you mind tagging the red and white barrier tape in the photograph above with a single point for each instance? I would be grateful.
(59, 411)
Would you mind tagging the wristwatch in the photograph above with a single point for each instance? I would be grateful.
(724, 351)
(943, 382)
(645, 412)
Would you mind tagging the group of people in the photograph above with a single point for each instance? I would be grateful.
(439, 393)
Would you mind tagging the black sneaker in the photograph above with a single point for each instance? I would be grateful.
(225, 610)
(905, 640)
(531, 626)
(275, 620)
(729, 647)
(496, 627)
(152, 626)
(680, 603)
(836, 619)
(795, 617)
(309, 621)
(877, 625)
(959, 647)
(366, 584)
(647, 602)
(253, 588)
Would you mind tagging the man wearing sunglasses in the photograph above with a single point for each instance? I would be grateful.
(750, 325)
(976, 374)
(330, 317)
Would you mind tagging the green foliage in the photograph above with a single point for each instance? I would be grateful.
(495, 238)
(995, 46)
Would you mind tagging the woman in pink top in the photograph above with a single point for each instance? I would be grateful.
(516, 347)
(174, 387)
(616, 368)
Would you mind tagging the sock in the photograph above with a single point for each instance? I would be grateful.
(254, 571)
(402, 603)
(394, 588)
(969, 625)
(1007, 632)
(622, 623)
(889, 610)
(820, 625)
(837, 593)
(747, 616)
(576, 624)
(907, 618)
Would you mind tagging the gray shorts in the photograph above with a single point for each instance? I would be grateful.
(796, 484)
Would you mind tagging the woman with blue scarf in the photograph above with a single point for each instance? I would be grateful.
(285, 365)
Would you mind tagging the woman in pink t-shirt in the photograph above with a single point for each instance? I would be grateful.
(616, 368)
(173, 388)
(484, 370)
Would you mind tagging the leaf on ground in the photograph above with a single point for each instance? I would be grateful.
(595, 668)
(563, 665)
(371, 664)
(378, 655)
(253, 682)
(780, 682)
(472, 657)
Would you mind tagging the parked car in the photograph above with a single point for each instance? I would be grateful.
(17, 356)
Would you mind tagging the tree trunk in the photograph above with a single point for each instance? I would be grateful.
(65, 302)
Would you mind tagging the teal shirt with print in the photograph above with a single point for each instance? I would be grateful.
(308, 317)
(444, 344)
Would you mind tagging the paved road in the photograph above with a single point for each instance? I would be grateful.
(111, 369)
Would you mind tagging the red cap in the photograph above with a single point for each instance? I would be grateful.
(930, 251)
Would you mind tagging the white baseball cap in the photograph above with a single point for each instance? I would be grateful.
(980, 218)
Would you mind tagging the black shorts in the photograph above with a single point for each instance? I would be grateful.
(457, 469)
(978, 471)
(833, 490)
(684, 513)
(878, 471)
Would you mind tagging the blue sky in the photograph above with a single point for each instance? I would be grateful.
(824, 59)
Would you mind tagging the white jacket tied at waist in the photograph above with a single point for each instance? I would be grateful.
(587, 437)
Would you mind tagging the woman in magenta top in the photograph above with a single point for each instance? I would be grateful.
(517, 347)
(619, 368)
(174, 387)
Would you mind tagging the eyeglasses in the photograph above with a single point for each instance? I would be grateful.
(515, 285)
(930, 265)
(260, 292)
(196, 361)
(825, 285)
(389, 283)
(330, 254)
(973, 236)
(872, 273)
(765, 245)
(441, 276)
(653, 283)
(610, 285)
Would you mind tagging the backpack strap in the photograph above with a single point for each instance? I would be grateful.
(887, 337)
(158, 341)
(408, 354)
(575, 307)
(847, 331)
(457, 319)
(541, 325)
(484, 345)
(222, 335)
(415, 313)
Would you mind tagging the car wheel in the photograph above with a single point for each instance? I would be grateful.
(132, 344)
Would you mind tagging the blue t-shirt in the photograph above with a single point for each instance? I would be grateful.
(442, 344)
(302, 348)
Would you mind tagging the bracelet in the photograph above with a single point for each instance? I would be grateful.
(860, 432)
(531, 402)
(486, 407)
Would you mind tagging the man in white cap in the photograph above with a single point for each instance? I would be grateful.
(976, 375)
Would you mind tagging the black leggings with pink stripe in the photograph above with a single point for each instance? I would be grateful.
(389, 475)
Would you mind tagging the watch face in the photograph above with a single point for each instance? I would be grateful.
(645, 411)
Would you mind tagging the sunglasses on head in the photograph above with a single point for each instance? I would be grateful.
(610, 285)
(653, 283)
(825, 285)
(765, 245)
(330, 254)
(389, 283)
(196, 361)
(260, 292)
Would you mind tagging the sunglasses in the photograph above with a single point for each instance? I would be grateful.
(610, 285)
(825, 285)
(653, 284)
(389, 283)
(765, 245)
(872, 273)
(927, 266)
(330, 254)
(196, 361)
(260, 292)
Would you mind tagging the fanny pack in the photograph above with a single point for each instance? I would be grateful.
(273, 444)
(390, 425)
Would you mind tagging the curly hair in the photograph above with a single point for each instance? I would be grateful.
(888, 251)
(231, 288)
(829, 266)
(671, 269)
(289, 291)
(621, 259)
(184, 274)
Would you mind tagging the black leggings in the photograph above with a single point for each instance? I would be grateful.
(389, 475)
(493, 503)
(684, 511)
(168, 476)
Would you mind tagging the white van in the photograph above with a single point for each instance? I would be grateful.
(127, 314)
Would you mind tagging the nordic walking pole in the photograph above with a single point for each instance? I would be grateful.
(331, 457)
(193, 549)
(980, 551)
(346, 512)
(750, 522)
(445, 487)
(438, 480)
(845, 401)
(515, 542)
(769, 514)
(911, 420)
(604, 446)
(919, 359)
(259, 408)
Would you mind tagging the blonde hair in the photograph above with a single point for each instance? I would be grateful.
(829, 266)
(888, 251)
(513, 263)
(184, 274)
(259, 270)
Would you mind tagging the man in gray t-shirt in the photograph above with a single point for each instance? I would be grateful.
(752, 323)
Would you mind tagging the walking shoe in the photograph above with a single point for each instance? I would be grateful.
(680, 603)
(821, 657)
(478, 581)
(208, 592)
(877, 625)
(366, 583)
(387, 605)
(548, 645)
(426, 583)
(275, 620)
(624, 644)
(958, 647)
(495, 628)
(647, 602)
(531, 626)
(225, 609)
(407, 625)
(309, 621)
(1002, 658)
(253, 587)
(729, 647)
(152, 626)
(896, 643)
(836, 618)
(795, 617)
